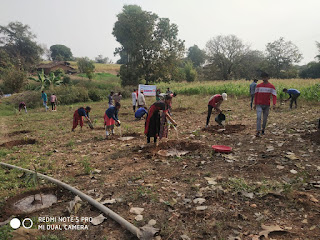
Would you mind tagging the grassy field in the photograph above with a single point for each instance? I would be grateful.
(166, 187)
(309, 88)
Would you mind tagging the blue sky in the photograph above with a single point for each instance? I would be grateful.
(86, 26)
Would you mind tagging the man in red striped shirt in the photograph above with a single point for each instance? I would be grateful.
(262, 101)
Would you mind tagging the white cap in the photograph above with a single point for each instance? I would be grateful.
(224, 96)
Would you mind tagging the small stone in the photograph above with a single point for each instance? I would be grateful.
(152, 222)
(199, 200)
(313, 227)
(185, 237)
(293, 171)
(96, 171)
(253, 205)
(280, 167)
(201, 208)
(305, 221)
(136, 210)
(139, 218)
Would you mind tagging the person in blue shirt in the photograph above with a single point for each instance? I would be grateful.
(78, 116)
(111, 118)
(293, 95)
(44, 99)
(253, 86)
(140, 113)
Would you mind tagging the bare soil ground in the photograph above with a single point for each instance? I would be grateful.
(269, 181)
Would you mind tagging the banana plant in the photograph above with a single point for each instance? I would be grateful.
(41, 79)
(53, 80)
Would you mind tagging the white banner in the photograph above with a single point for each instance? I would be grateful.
(148, 90)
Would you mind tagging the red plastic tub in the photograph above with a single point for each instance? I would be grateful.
(222, 148)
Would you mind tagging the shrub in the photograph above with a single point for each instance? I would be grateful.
(58, 71)
(96, 94)
(14, 80)
(66, 80)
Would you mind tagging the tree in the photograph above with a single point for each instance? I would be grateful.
(251, 65)
(14, 80)
(196, 55)
(149, 48)
(60, 53)
(101, 59)
(17, 41)
(85, 65)
(225, 53)
(281, 55)
(191, 73)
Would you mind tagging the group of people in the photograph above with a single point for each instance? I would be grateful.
(53, 101)
(156, 123)
(44, 97)
(158, 117)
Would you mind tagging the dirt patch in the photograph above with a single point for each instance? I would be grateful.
(180, 109)
(190, 146)
(18, 142)
(225, 130)
(17, 133)
(313, 137)
(23, 203)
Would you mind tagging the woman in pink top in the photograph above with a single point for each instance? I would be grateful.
(53, 100)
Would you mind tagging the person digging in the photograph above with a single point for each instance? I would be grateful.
(78, 117)
(111, 119)
(156, 124)
(215, 103)
(293, 95)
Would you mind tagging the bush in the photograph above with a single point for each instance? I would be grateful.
(191, 73)
(85, 65)
(66, 80)
(96, 94)
(14, 80)
(58, 71)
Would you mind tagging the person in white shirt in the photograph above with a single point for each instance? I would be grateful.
(141, 100)
(134, 100)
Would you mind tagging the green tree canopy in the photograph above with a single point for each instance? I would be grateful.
(19, 46)
(85, 65)
(150, 45)
(196, 56)
(60, 53)
(281, 55)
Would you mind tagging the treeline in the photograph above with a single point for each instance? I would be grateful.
(152, 52)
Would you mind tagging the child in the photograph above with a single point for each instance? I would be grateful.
(110, 118)
(262, 102)
(154, 126)
(293, 95)
(53, 100)
(215, 102)
(140, 113)
(22, 105)
(78, 117)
